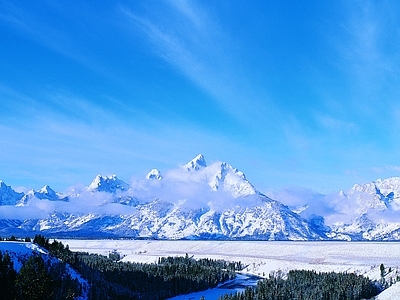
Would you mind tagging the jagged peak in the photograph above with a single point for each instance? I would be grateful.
(3, 185)
(196, 163)
(30, 192)
(154, 174)
(225, 168)
(46, 190)
(101, 178)
(104, 177)
(109, 183)
(7, 195)
(223, 176)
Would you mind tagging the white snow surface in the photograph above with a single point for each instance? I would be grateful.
(263, 258)
(107, 184)
(392, 293)
(154, 174)
(260, 257)
(196, 163)
(19, 249)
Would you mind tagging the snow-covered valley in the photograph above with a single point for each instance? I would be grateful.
(259, 258)
(262, 258)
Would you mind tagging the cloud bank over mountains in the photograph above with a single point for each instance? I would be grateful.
(195, 184)
(197, 200)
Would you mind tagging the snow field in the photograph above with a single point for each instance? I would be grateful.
(260, 257)
(264, 257)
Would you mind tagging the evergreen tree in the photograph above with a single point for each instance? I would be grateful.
(33, 281)
(382, 269)
(7, 277)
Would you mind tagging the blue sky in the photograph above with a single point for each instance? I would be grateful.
(292, 93)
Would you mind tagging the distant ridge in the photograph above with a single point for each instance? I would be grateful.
(197, 201)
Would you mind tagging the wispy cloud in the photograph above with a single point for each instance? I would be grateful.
(336, 125)
(386, 169)
(37, 29)
(194, 14)
(190, 39)
(76, 43)
(368, 50)
(66, 139)
(182, 42)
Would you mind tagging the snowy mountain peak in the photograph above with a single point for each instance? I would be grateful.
(223, 176)
(109, 184)
(48, 192)
(154, 174)
(7, 195)
(45, 193)
(378, 195)
(196, 163)
(3, 186)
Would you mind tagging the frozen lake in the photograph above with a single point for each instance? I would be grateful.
(260, 257)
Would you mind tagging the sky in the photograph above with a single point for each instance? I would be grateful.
(292, 93)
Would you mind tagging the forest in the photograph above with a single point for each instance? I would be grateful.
(49, 277)
(310, 285)
(41, 278)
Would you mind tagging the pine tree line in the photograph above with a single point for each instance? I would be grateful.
(310, 285)
(37, 279)
(169, 277)
(111, 279)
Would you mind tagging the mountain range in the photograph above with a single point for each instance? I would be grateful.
(199, 201)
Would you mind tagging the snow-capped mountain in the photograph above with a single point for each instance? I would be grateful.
(154, 174)
(8, 196)
(378, 195)
(375, 206)
(220, 176)
(199, 201)
(109, 184)
(163, 220)
(193, 201)
(196, 163)
(45, 193)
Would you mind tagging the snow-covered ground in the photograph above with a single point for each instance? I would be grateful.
(263, 258)
(392, 293)
(19, 250)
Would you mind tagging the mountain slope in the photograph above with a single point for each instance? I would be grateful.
(21, 255)
(375, 207)
(199, 201)
(45, 193)
(8, 196)
(195, 201)
(109, 184)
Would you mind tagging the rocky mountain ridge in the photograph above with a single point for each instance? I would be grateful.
(196, 201)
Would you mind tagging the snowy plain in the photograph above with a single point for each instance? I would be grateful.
(262, 258)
